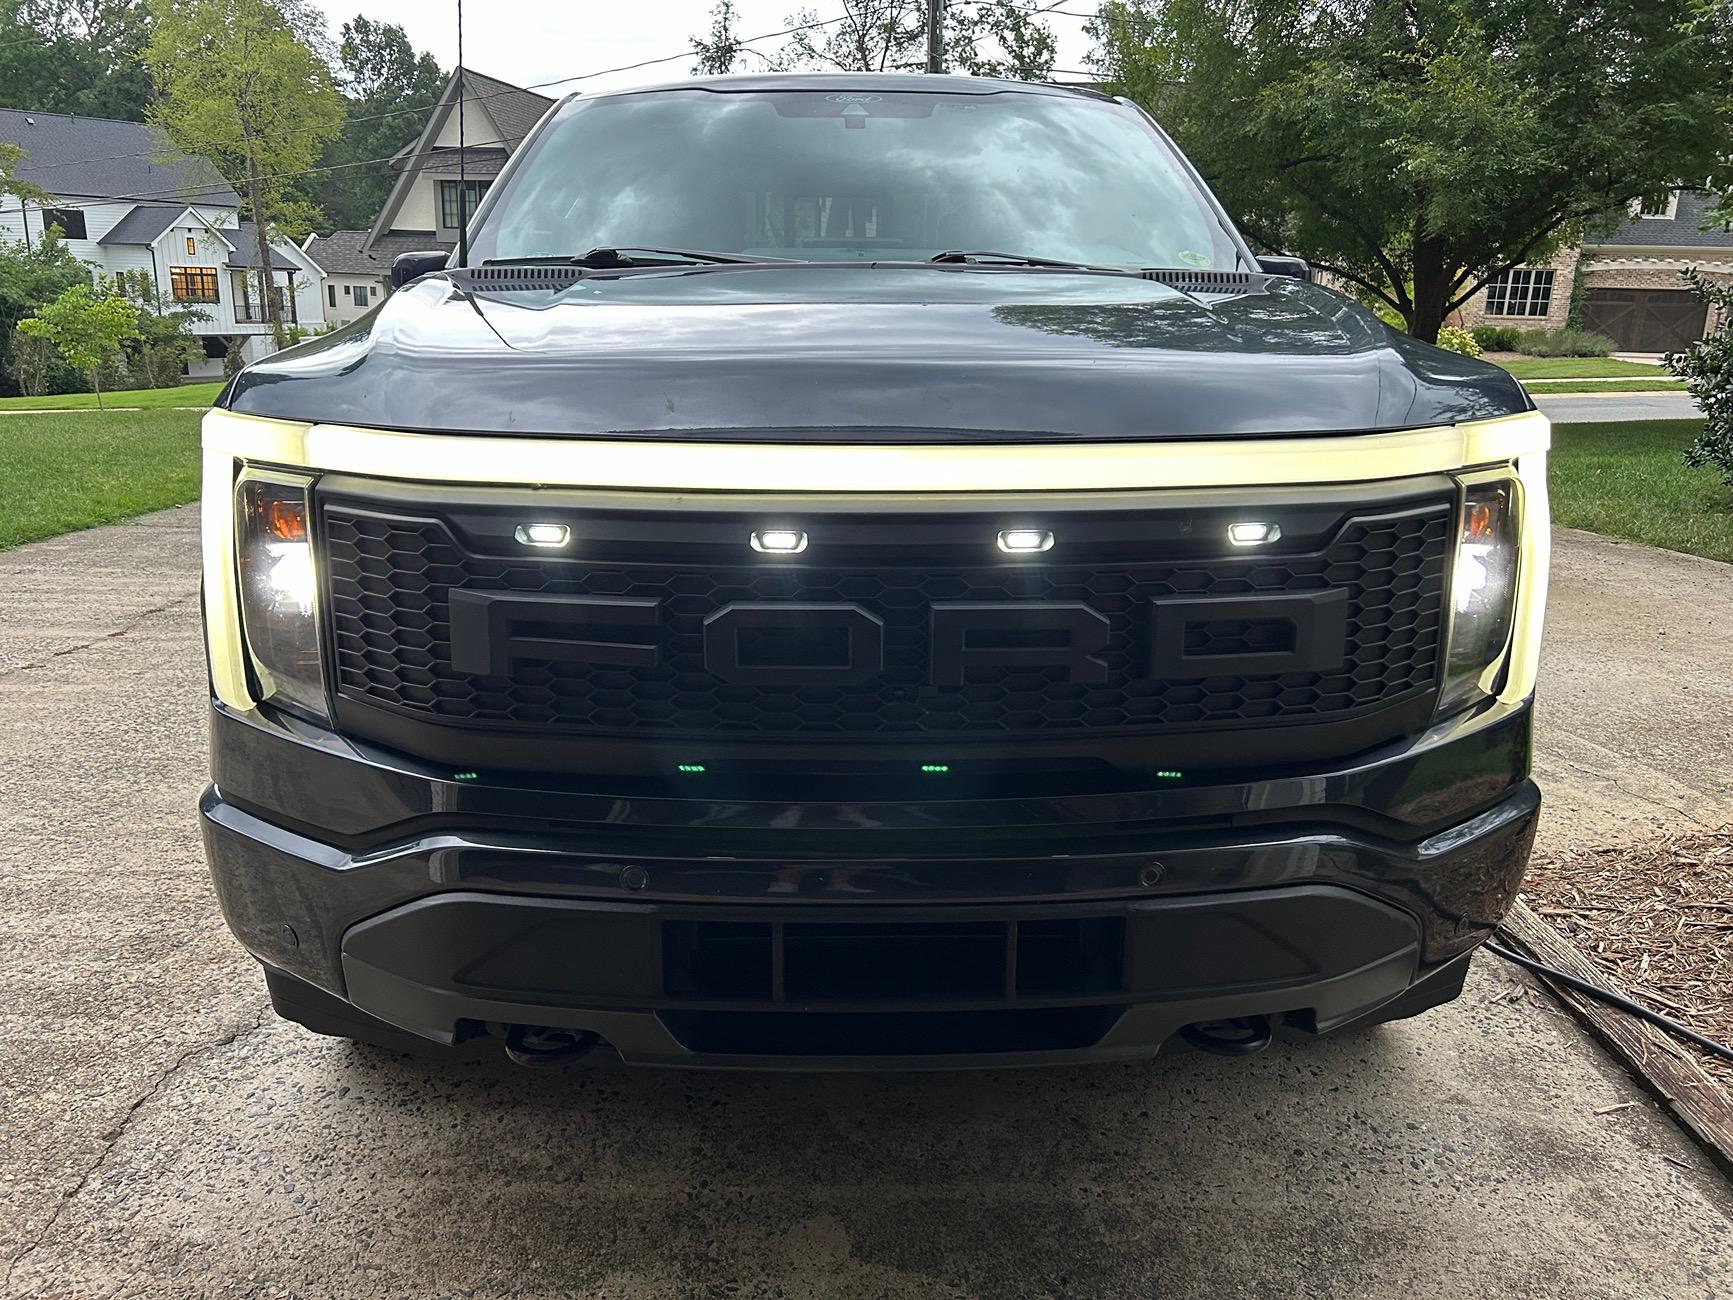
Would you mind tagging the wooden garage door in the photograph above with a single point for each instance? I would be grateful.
(1645, 320)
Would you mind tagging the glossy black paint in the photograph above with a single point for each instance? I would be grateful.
(872, 353)
(1440, 832)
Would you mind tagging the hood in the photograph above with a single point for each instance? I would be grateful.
(872, 354)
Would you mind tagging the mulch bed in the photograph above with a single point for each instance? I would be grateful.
(1658, 915)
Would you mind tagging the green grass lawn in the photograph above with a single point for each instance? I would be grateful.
(1616, 386)
(61, 472)
(185, 395)
(1627, 480)
(1578, 368)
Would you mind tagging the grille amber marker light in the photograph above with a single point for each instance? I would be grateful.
(779, 541)
(1025, 541)
(546, 535)
(1251, 533)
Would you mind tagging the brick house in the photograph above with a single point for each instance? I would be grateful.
(1632, 290)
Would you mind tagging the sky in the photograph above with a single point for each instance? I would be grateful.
(531, 41)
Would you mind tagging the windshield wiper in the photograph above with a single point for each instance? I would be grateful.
(988, 256)
(633, 255)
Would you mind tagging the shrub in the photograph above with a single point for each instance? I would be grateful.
(1453, 338)
(1497, 338)
(1707, 369)
(1564, 343)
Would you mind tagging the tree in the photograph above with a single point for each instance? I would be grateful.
(85, 329)
(1003, 39)
(1418, 148)
(390, 91)
(873, 36)
(1707, 369)
(31, 274)
(12, 157)
(165, 344)
(718, 50)
(243, 84)
(75, 56)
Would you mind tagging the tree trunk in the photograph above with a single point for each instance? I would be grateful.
(96, 383)
(267, 299)
(1431, 289)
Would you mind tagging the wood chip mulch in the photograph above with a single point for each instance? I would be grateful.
(1657, 915)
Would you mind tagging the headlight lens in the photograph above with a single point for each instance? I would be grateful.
(280, 590)
(1482, 591)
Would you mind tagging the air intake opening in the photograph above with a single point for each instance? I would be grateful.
(887, 1033)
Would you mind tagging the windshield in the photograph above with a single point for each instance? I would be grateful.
(829, 176)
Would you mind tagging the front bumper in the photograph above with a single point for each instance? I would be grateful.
(818, 935)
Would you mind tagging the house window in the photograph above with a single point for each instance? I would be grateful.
(1521, 291)
(449, 193)
(192, 247)
(1666, 209)
(70, 221)
(331, 293)
(346, 291)
(193, 283)
(361, 294)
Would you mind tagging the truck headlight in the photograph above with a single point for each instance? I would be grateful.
(1482, 593)
(280, 590)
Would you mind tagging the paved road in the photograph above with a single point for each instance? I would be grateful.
(163, 1136)
(1600, 408)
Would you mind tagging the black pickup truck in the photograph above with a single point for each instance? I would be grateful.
(861, 572)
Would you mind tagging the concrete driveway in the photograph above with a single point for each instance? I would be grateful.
(164, 1136)
(1603, 408)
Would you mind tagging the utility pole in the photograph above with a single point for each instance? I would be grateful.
(935, 35)
(462, 150)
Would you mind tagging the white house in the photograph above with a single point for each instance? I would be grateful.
(126, 201)
(433, 178)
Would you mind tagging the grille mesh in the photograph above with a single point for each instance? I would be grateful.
(389, 577)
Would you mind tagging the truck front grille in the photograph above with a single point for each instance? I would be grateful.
(392, 566)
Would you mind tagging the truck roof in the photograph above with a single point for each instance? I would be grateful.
(896, 82)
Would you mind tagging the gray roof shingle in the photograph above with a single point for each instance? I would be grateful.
(345, 252)
(1685, 230)
(143, 224)
(245, 238)
(99, 157)
(513, 109)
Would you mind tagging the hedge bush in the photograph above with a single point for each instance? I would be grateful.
(1497, 338)
(1453, 338)
(1563, 343)
(1706, 366)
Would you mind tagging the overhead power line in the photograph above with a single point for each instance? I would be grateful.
(36, 168)
(481, 99)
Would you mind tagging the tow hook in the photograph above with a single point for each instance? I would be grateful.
(1246, 1036)
(538, 1045)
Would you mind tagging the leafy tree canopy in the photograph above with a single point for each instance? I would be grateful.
(873, 36)
(75, 56)
(1419, 147)
(245, 83)
(85, 328)
(390, 91)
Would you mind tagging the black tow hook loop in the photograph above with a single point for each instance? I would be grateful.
(537, 1045)
(1246, 1036)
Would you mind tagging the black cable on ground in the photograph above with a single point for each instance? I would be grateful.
(1616, 1000)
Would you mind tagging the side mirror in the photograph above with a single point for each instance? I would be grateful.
(1295, 268)
(412, 266)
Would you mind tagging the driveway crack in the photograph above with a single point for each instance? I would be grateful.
(113, 1138)
(144, 615)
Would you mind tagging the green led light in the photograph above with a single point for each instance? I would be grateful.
(690, 767)
(939, 768)
(463, 776)
(1170, 776)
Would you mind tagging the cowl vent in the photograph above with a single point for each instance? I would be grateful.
(1202, 282)
(524, 279)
